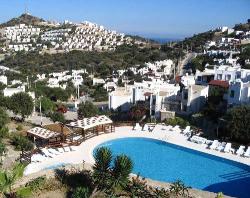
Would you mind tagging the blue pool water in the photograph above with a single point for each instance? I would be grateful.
(167, 162)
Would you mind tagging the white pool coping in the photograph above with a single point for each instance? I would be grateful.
(85, 150)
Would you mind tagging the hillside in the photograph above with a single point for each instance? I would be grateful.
(24, 18)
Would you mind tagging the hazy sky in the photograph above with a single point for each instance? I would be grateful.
(151, 18)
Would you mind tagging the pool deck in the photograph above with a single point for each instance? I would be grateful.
(84, 151)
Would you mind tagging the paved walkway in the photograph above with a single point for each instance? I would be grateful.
(85, 150)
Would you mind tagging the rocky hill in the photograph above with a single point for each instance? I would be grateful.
(24, 18)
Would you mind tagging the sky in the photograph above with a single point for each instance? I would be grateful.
(148, 18)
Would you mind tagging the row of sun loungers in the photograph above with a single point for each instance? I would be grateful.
(214, 145)
(227, 148)
(50, 153)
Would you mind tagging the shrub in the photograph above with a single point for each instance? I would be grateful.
(4, 118)
(19, 127)
(4, 132)
(36, 184)
(177, 121)
(81, 192)
(57, 117)
(21, 143)
(24, 192)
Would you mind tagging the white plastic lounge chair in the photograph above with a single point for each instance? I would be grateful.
(240, 150)
(198, 140)
(247, 153)
(73, 148)
(145, 127)
(53, 151)
(214, 145)
(67, 149)
(60, 150)
(47, 153)
(228, 148)
(176, 129)
(221, 147)
(168, 128)
(37, 158)
(186, 130)
(137, 126)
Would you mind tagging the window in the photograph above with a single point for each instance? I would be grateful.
(219, 76)
(228, 77)
(232, 94)
(185, 96)
(199, 78)
(184, 107)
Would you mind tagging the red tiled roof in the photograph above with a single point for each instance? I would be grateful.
(147, 94)
(177, 79)
(220, 83)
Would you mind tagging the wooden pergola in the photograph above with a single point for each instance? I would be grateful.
(44, 135)
(93, 126)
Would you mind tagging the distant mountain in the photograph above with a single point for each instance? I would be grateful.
(24, 18)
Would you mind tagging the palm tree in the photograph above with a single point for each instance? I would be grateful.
(123, 166)
(8, 178)
(179, 189)
(101, 169)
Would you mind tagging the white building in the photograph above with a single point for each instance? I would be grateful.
(3, 79)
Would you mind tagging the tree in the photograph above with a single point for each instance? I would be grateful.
(120, 174)
(22, 104)
(21, 143)
(8, 178)
(4, 118)
(111, 178)
(57, 117)
(101, 168)
(87, 109)
(238, 123)
(46, 105)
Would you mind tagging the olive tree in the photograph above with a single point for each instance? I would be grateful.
(21, 104)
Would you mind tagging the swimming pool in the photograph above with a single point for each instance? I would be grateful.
(167, 162)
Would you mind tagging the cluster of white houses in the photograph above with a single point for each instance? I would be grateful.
(21, 38)
(84, 36)
(188, 94)
(232, 37)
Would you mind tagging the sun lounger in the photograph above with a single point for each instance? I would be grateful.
(137, 126)
(240, 150)
(60, 150)
(186, 130)
(221, 147)
(176, 129)
(228, 148)
(198, 140)
(37, 158)
(145, 127)
(214, 145)
(53, 151)
(47, 153)
(247, 153)
(67, 149)
(73, 148)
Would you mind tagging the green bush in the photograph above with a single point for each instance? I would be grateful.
(4, 132)
(24, 192)
(177, 121)
(36, 184)
(22, 143)
(81, 192)
(19, 127)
